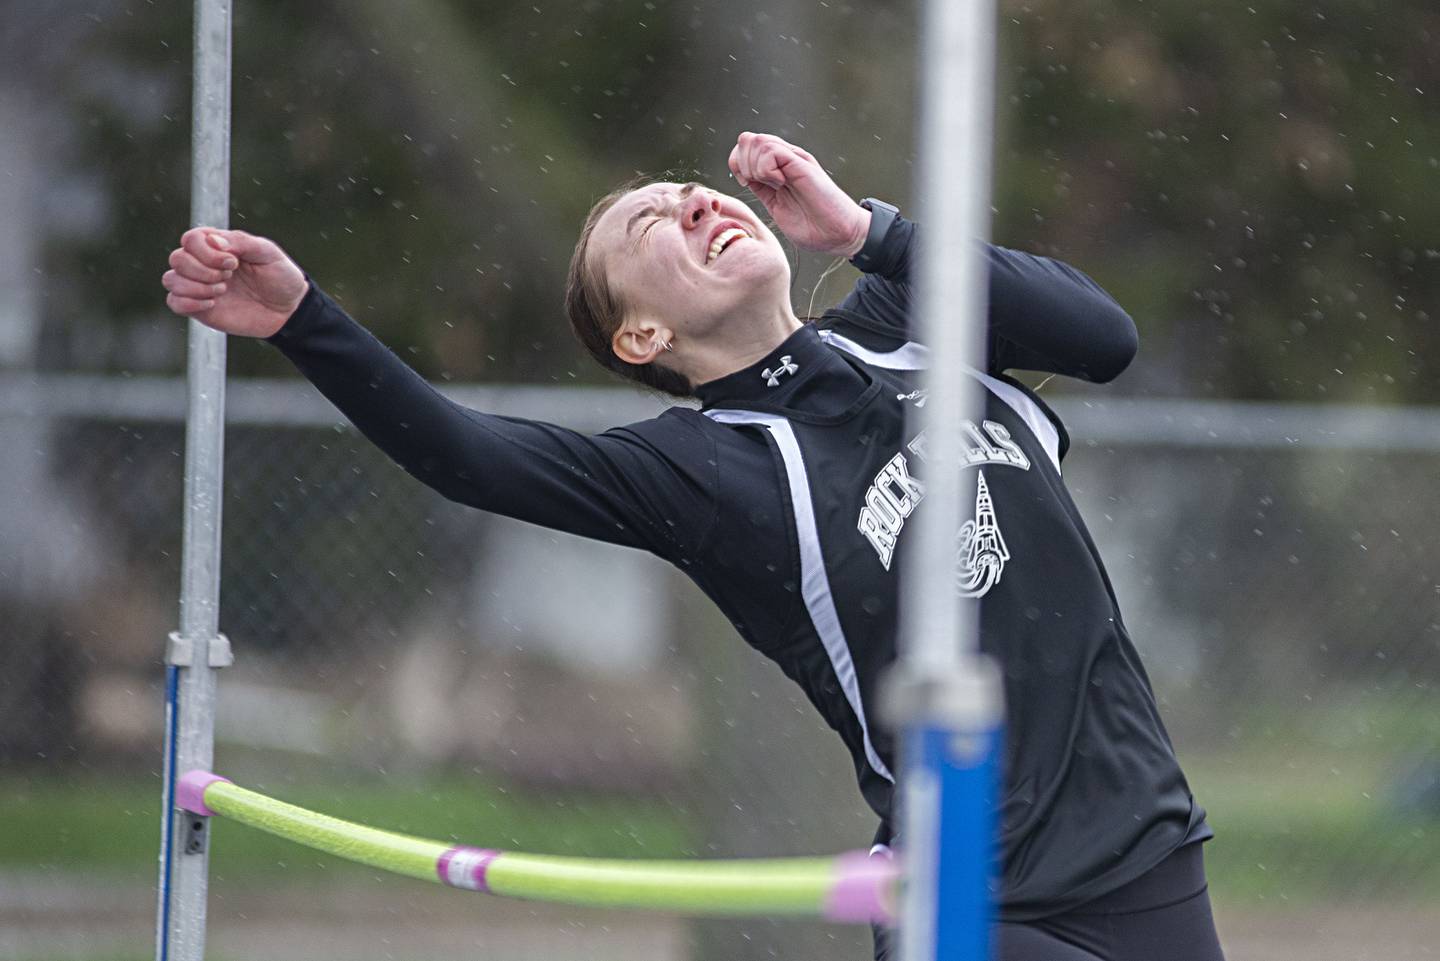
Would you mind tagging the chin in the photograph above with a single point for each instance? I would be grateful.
(759, 264)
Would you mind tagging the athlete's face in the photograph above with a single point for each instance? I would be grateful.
(689, 258)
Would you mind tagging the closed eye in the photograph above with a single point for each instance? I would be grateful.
(640, 237)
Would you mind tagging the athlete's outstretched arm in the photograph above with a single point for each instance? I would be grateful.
(1044, 315)
(614, 487)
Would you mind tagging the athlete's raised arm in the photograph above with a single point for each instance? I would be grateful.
(615, 486)
(1044, 315)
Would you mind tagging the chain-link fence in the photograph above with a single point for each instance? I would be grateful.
(410, 663)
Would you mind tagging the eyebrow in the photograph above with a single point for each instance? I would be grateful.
(685, 191)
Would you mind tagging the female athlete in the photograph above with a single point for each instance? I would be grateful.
(787, 494)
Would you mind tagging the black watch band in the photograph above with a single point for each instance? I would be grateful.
(882, 215)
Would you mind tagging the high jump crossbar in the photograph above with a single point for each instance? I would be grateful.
(849, 888)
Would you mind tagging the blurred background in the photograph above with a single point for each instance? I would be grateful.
(1258, 184)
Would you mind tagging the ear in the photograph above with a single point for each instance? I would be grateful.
(640, 341)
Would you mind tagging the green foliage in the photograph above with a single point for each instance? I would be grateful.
(1256, 182)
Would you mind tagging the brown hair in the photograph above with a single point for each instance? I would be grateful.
(596, 313)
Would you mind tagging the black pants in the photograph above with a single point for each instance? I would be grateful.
(1163, 915)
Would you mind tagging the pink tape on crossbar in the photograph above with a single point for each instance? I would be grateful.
(464, 867)
(864, 888)
(190, 791)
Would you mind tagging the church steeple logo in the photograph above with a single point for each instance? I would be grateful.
(980, 551)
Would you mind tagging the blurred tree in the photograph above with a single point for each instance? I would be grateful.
(1255, 183)
(1250, 180)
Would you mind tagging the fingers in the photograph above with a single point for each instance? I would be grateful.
(188, 306)
(758, 161)
(190, 267)
(199, 271)
(249, 248)
(201, 258)
(210, 248)
(188, 296)
(734, 163)
(182, 286)
(763, 158)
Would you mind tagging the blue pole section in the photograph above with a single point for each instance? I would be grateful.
(952, 748)
(963, 766)
(167, 814)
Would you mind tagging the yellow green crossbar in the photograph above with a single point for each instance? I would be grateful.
(849, 888)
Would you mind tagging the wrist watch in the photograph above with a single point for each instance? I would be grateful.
(882, 215)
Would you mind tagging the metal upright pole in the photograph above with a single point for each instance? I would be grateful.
(944, 694)
(197, 648)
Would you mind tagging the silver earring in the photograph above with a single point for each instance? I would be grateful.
(656, 341)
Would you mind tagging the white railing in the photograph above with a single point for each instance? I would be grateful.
(1125, 421)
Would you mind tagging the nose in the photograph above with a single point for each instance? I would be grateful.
(694, 207)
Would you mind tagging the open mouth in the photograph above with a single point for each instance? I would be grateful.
(723, 240)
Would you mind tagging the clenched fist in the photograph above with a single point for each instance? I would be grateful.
(233, 281)
(804, 202)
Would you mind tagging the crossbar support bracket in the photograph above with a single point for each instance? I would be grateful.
(180, 651)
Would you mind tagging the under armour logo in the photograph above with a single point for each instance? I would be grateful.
(918, 396)
(772, 377)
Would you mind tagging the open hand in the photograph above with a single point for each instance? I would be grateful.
(804, 202)
(232, 281)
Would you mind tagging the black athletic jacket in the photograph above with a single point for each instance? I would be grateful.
(785, 497)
